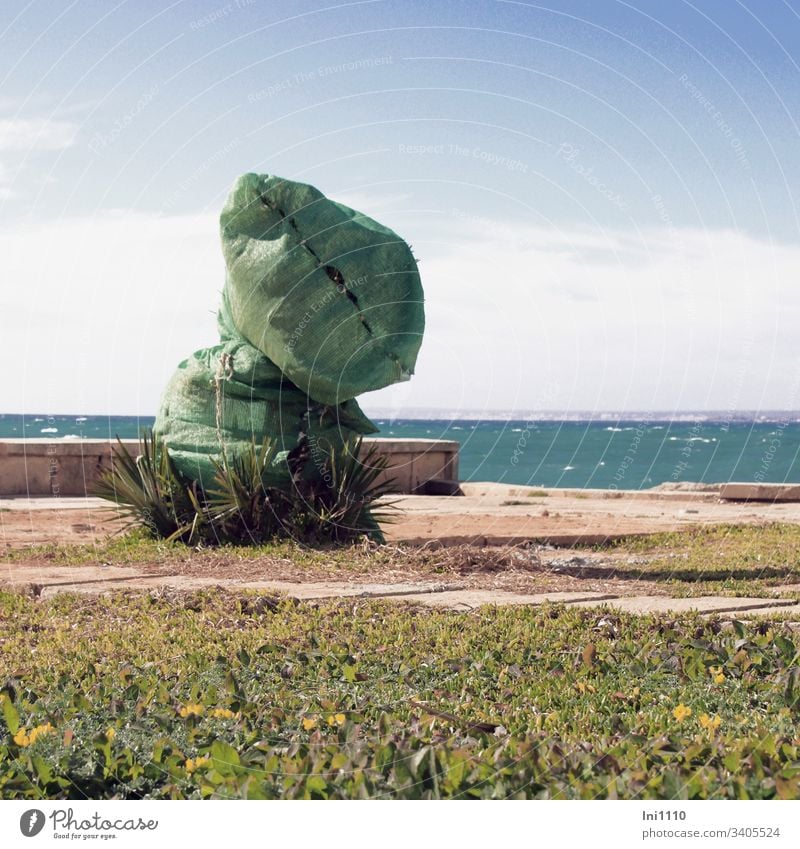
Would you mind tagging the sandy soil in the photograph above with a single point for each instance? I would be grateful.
(494, 514)
(494, 538)
(490, 515)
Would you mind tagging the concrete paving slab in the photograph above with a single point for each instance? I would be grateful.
(182, 583)
(561, 540)
(702, 604)
(477, 598)
(17, 574)
(50, 580)
(790, 613)
(335, 589)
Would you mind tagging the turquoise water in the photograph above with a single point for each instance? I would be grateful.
(600, 454)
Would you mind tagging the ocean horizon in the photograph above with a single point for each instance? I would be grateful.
(600, 451)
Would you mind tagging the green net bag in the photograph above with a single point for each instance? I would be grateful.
(320, 304)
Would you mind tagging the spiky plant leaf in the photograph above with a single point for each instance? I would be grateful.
(147, 489)
(241, 507)
(343, 501)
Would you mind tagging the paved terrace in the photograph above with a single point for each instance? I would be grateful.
(486, 515)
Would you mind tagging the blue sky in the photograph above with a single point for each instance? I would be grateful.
(600, 193)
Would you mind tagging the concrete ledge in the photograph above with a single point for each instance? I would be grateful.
(481, 489)
(772, 492)
(69, 467)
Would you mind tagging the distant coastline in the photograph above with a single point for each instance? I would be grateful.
(659, 416)
(474, 415)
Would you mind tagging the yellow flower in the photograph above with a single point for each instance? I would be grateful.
(336, 719)
(23, 737)
(191, 710)
(41, 730)
(682, 712)
(716, 674)
(195, 763)
(309, 723)
(708, 722)
(222, 713)
(111, 733)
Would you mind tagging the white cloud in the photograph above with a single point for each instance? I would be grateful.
(5, 192)
(24, 134)
(525, 318)
(373, 203)
(19, 137)
(96, 313)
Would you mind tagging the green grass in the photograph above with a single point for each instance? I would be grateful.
(356, 699)
(721, 559)
(137, 547)
(132, 547)
(752, 547)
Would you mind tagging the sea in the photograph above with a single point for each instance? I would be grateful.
(605, 453)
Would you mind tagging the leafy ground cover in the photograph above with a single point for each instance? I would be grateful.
(718, 559)
(711, 550)
(214, 694)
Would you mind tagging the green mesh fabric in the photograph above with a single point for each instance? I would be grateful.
(330, 296)
(320, 304)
